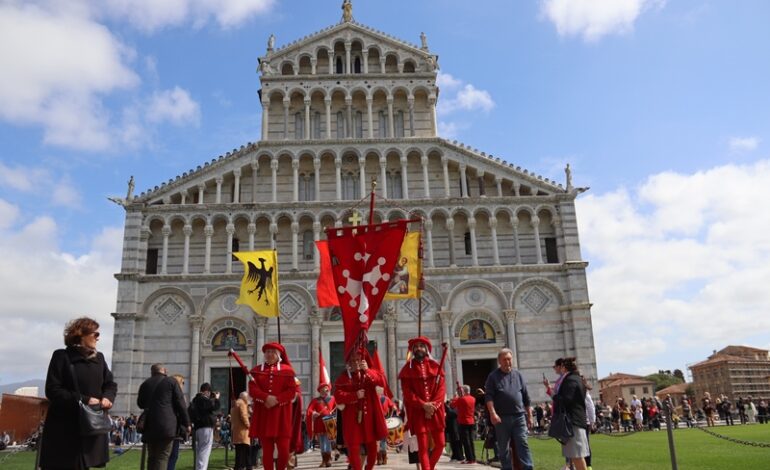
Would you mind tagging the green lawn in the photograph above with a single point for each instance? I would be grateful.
(695, 449)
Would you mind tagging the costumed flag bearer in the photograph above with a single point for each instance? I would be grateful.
(424, 389)
(322, 406)
(274, 390)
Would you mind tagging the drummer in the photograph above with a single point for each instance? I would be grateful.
(424, 389)
(388, 410)
(321, 408)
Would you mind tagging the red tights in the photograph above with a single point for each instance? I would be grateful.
(354, 455)
(267, 452)
(423, 445)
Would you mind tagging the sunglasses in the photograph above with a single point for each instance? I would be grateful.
(95, 333)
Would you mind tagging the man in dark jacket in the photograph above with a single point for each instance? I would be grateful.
(202, 408)
(571, 397)
(164, 412)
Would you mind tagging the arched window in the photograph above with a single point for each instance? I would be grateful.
(317, 125)
(359, 125)
(399, 124)
(383, 124)
(467, 239)
(350, 186)
(338, 68)
(357, 65)
(306, 187)
(395, 188)
(340, 125)
(299, 126)
(308, 250)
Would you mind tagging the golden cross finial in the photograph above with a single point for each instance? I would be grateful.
(355, 219)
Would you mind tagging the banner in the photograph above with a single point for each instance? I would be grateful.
(259, 285)
(325, 292)
(405, 280)
(363, 258)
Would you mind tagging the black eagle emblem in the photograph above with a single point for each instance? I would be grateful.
(262, 277)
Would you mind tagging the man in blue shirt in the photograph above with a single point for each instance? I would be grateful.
(509, 411)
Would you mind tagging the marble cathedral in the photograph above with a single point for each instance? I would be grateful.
(339, 107)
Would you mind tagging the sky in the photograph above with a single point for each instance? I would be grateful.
(662, 108)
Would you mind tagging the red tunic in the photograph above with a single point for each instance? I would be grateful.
(466, 408)
(418, 384)
(388, 407)
(268, 380)
(323, 408)
(372, 427)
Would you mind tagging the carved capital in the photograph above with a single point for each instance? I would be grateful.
(219, 180)
(166, 230)
(510, 315)
(294, 227)
(424, 160)
(187, 230)
(237, 173)
(260, 321)
(535, 221)
(144, 233)
(493, 222)
(273, 228)
(208, 230)
(428, 225)
(274, 164)
(196, 321)
(446, 317)
(472, 223)
(251, 229)
(317, 163)
(450, 224)
(230, 229)
(201, 187)
(317, 227)
(444, 160)
(295, 164)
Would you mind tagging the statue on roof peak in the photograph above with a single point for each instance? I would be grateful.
(347, 11)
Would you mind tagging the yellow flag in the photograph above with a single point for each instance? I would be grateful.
(405, 279)
(259, 286)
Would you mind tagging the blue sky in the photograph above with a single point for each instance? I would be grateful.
(661, 107)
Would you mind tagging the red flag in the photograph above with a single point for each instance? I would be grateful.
(363, 258)
(377, 364)
(323, 377)
(324, 290)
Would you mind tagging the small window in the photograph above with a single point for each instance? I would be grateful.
(399, 124)
(645, 390)
(299, 126)
(632, 391)
(308, 245)
(340, 125)
(317, 125)
(395, 185)
(236, 247)
(551, 253)
(383, 125)
(152, 261)
(339, 66)
(468, 247)
(359, 125)
(357, 65)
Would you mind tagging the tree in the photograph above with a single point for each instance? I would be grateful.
(679, 373)
(663, 379)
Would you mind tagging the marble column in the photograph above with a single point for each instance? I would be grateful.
(338, 175)
(273, 232)
(295, 178)
(391, 127)
(382, 64)
(349, 128)
(316, 237)
(495, 248)
(286, 104)
(317, 183)
(463, 181)
(348, 69)
(313, 65)
(366, 61)
(474, 250)
(383, 177)
(219, 180)
(450, 227)
(425, 181)
(316, 320)
(294, 250)
(237, 185)
(166, 231)
(410, 104)
(446, 337)
(433, 118)
(141, 259)
(183, 194)
(510, 319)
(260, 324)
(328, 103)
(428, 224)
(516, 188)
(362, 175)
(251, 229)
(332, 63)
(499, 184)
(208, 231)
(274, 168)
(265, 120)
(516, 247)
(370, 120)
(559, 233)
(391, 322)
(230, 229)
(201, 189)
(445, 167)
(254, 172)
(187, 230)
(307, 119)
(404, 178)
(536, 228)
(196, 322)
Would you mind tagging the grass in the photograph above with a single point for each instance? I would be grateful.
(695, 450)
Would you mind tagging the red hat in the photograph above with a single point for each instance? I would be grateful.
(421, 339)
(322, 385)
(281, 351)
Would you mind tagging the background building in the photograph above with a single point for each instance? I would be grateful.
(735, 371)
(619, 385)
(339, 107)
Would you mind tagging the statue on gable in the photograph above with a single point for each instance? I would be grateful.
(271, 43)
(265, 67)
(347, 11)
(568, 172)
(424, 41)
(130, 193)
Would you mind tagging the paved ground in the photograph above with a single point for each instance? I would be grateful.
(311, 460)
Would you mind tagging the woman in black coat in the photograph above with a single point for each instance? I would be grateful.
(62, 446)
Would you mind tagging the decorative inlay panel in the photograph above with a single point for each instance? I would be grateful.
(169, 308)
(536, 299)
(291, 306)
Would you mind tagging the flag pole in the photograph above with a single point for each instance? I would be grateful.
(371, 202)
(279, 327)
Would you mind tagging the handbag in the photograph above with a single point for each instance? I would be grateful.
(561, 426)
(91, 421)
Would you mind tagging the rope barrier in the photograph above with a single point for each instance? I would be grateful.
(765, 445)
(22, 446)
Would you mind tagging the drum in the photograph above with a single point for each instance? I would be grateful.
(395, 431)
(330, 423)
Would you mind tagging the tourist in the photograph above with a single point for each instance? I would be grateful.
(591, 419)
(452, 432)
(240, 422)
(201, 411)
(182, 432)
(571, 398)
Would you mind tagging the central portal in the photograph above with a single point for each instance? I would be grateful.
(475, 372)
(229, 382)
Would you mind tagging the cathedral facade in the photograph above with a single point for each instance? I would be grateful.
(341, 107)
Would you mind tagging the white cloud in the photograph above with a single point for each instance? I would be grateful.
(151, 15)
(447, 82)
(30, 180)
(448, 130)
(174, 106)
(57, 79)
(680, 262)
(593, 19)
(743, 144)
(8, 214)
(459, 96)
(43, 287)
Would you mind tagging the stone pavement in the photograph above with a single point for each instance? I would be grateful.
(311, 460)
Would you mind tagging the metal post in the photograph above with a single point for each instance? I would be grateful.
(141, 459)
(669, 426)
